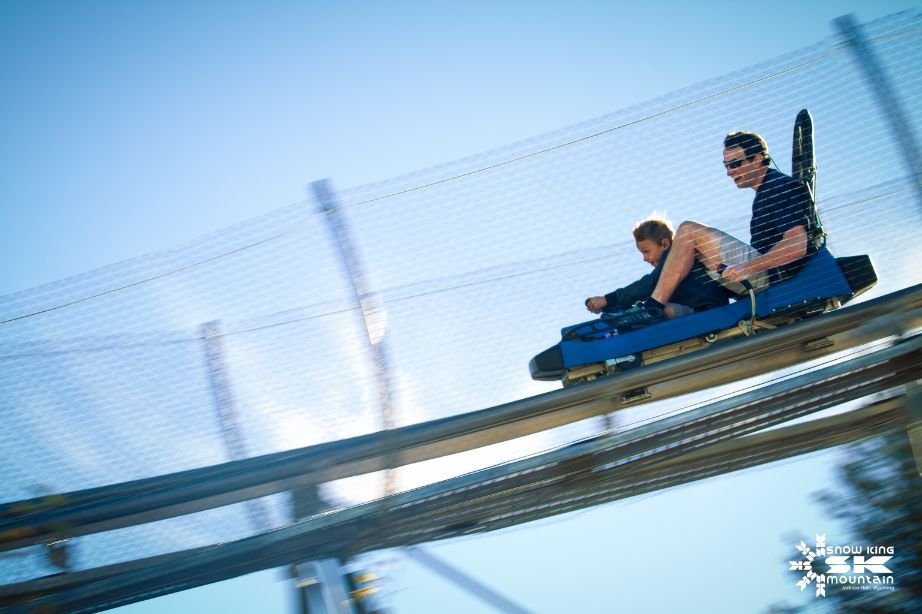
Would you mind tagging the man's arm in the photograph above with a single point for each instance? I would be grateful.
(791, 247)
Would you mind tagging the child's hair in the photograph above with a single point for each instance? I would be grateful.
(656, 228)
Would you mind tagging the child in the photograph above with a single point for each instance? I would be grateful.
(697, 291)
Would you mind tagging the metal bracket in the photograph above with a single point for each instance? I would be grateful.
(914, 428)
(322, 588)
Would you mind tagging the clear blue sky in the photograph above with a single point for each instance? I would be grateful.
(131, 128)
(134, 127)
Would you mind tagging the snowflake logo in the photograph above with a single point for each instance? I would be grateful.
(806, 565)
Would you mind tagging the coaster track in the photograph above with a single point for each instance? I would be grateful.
(693, 445)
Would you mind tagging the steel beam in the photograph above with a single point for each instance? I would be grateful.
(82, 512)
(562, 480)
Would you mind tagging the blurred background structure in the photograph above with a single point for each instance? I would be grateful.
(257, 340)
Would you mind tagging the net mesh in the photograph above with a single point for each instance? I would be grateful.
(477, 263)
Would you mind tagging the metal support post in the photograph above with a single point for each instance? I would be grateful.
(225, 404)
(914, 428)
(373, 311)
(322, 588)
(464, 581)
(893, 111)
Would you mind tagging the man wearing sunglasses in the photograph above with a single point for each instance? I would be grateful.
(778, 228)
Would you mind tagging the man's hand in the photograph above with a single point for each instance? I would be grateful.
(791, 247)
(735, 272)
(596, 303)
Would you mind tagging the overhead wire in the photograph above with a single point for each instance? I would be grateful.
(540, 152)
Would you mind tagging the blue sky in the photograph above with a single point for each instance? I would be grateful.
(132, 128)
(136, 127)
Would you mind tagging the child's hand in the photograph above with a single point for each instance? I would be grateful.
(596, 303)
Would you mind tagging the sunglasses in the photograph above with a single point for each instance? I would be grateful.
(733, 164)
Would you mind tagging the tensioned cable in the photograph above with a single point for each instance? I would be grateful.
(397, 299)
(795, 68)
(146, 280)
(594, 135)
(297, 227)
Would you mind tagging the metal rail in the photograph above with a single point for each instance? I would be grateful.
(745, 452)
(41, 520)
(696, 444)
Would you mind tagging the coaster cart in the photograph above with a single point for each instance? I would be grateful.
(621, 340)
